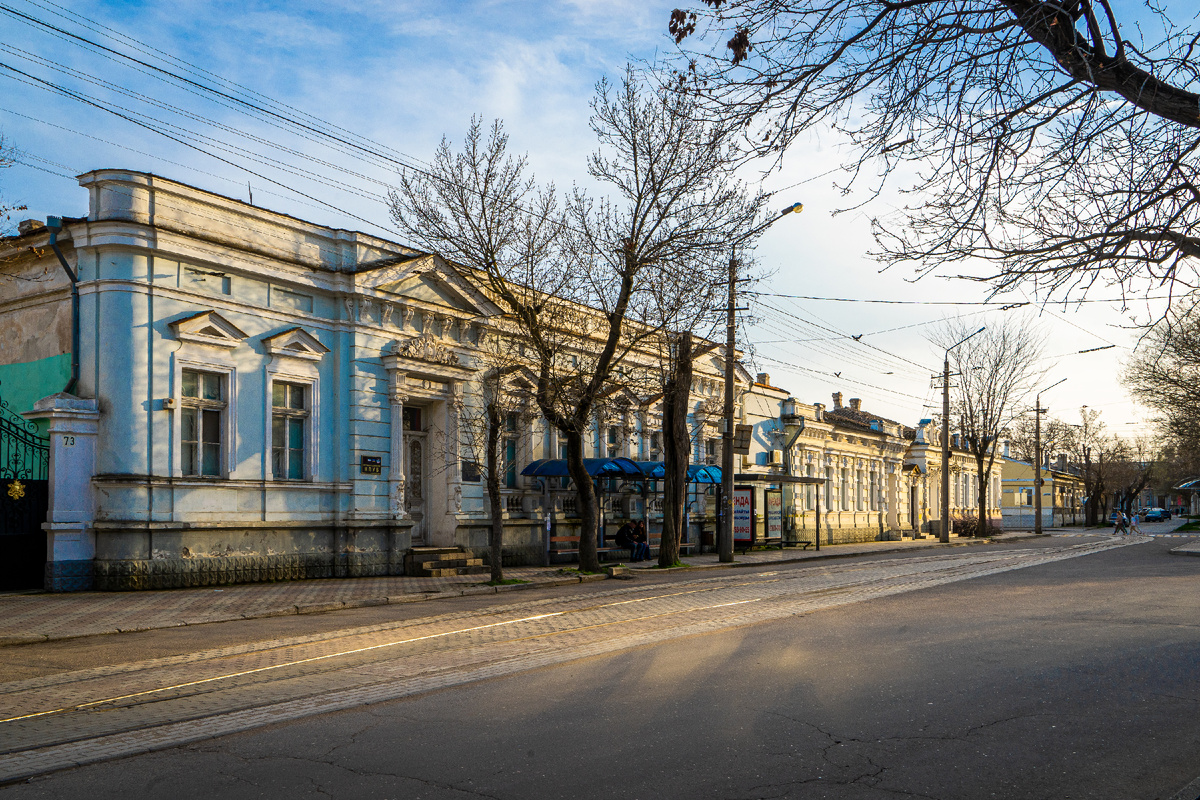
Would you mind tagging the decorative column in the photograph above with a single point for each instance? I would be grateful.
(70, 537)
(453, 478)
(396, 473)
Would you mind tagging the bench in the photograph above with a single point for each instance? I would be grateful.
(566, 551)
(657, 542)
(746, 545)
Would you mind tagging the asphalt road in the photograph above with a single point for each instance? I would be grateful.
(1023, 670)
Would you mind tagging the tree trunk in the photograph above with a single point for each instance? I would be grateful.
(589, 512)
(494, 466)
(981, 529)
(677, 446)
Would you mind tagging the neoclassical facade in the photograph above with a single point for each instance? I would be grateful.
(261, 397)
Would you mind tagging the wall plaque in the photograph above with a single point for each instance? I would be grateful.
(370, 465)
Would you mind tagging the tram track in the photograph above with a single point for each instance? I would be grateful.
(285, 679)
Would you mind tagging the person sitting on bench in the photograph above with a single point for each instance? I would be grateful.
(625, 539)
(639, 541)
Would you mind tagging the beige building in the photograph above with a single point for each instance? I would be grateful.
(923, 464)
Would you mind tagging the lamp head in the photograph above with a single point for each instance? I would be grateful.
(796, 207)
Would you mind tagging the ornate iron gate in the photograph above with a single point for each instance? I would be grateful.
(24, 494)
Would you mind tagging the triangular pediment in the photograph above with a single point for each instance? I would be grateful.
(430, 288)
(295, 343)
(429, 280)
(208, 328)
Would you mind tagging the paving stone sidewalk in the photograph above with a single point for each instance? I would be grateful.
(39, 617)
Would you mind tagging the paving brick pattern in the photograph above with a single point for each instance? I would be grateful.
(27, 618)
(91, 715)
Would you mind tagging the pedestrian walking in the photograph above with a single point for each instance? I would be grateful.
(1120, 524)
(1134, 525)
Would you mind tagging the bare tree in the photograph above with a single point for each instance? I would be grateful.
(995, 372)
(580, 289)
(1052, 139)
(1133, 466)
(1057, 437)
(1164, 373)
(481, 426)
(8, 157)
(1095, 451)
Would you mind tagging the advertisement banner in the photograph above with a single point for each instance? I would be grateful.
(743, 514)
(774, 500)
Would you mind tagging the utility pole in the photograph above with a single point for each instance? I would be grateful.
(944, 523)
(725, 531)
(1037, 466)
(1037, 456)
(725, 524)
(944, 527)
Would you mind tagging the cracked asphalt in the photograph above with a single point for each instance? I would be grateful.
(1060, 667)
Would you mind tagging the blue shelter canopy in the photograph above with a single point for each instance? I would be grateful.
(619, 468)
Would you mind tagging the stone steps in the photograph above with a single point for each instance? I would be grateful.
(443, 562)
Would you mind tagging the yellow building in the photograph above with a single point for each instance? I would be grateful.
(1062, 496)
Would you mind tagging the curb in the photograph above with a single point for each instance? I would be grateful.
(814, 557)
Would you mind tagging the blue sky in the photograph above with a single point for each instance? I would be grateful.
(403, 74)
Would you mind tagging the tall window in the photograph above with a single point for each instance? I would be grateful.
(510, 449)
(845, 492)
(289, 430)
(810, 490)
(859, 489)
(202, 407)
(614, 441)
(655, 446)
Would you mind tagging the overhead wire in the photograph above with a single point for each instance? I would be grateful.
(156, 102)
(1000, 304)
(199, 71)
(148, 122)
(184, 142)
(835, 349)
(163, 159)
(826, 326)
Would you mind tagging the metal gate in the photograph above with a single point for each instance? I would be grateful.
(24, 495)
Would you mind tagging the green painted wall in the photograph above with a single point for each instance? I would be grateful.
(22, 385)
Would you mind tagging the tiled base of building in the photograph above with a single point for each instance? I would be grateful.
(846, 535)
(69, 576)
(176, 573)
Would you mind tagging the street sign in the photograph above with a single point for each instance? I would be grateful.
(741, 439)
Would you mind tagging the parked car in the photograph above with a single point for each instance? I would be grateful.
(1157, 514)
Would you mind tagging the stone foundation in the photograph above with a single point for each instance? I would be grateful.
(177, 573)
(136, 556)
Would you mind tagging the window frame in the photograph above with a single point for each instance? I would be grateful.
(289, 413)
(297, 374)
(228, 420)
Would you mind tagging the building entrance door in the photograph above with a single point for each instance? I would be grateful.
(913, 518)
(415, 490)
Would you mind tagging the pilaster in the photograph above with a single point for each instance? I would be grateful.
(74, 424)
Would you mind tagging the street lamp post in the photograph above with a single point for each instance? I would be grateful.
(1037, 457)
(944, 524)
(725, 528)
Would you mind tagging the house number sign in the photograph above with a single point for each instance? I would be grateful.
(370, 465)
